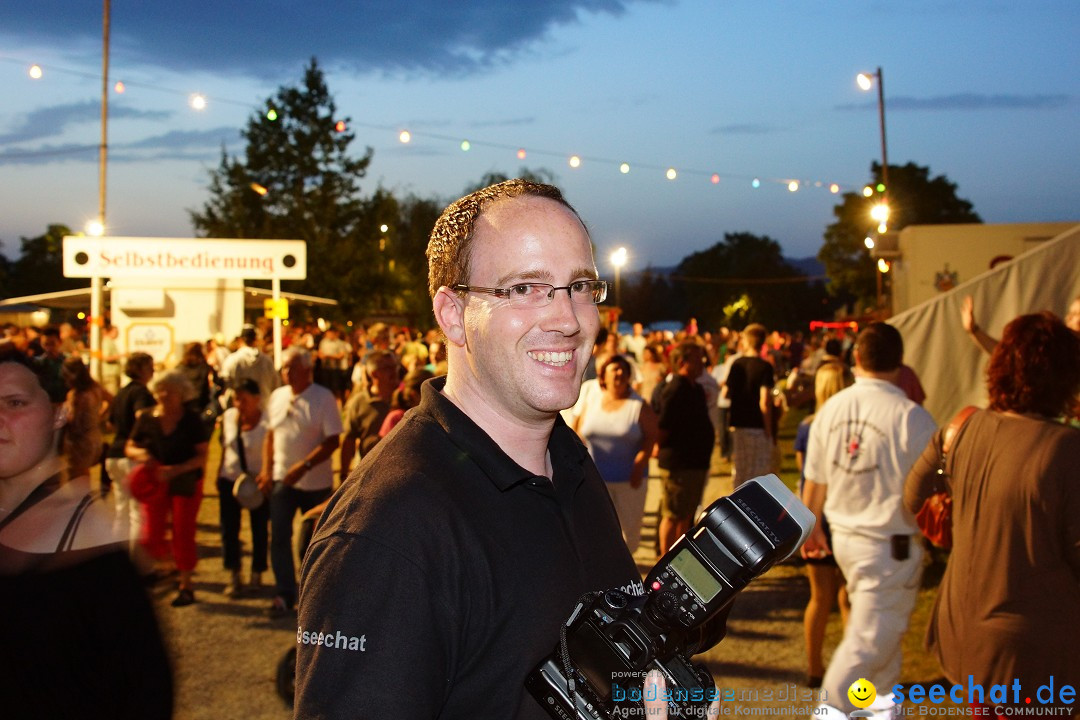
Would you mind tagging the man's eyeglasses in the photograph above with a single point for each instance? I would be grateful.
(538, 295)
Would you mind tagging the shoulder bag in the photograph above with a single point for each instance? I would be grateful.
(935, 516)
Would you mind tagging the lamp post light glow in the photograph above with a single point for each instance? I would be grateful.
(95, 228)
(866, 81)
(618, 259)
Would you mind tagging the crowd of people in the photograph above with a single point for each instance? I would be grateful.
(459, 483)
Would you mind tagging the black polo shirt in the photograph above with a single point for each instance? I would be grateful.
(442, 571)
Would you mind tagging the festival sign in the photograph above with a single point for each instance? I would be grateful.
(184, 257)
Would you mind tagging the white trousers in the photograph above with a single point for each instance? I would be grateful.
(630, 507)
(882, 592)
(127, 521)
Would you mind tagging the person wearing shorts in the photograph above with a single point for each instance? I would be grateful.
(686, 442)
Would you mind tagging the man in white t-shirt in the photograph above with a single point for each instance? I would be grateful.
(305, 428)
(249, 362)
(863, 442)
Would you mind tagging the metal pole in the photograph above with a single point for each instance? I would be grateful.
(618, 288)
(275, 289)
(97, 316)
(881, 118)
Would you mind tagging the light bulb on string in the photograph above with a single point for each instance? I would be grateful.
(715, 179)
(867, 191)
(834, 188)
(465, 146)
(624, 168)
(521, 153)
(197, 101)
(339, 126)
(271, 114)
(793, 186)
(671, 174)
(575, 161)
(405, 136)
(35, 72)
(755, 184)
(119, 87)
(869, 242)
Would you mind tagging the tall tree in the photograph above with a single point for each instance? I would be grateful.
(40, 265)
(913, 199)
(743, 279)
(298, 180)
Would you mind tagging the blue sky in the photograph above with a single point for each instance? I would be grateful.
(984, 92)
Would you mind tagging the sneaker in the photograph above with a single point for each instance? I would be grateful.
(279, 608)
(183, 598)
(235, 588)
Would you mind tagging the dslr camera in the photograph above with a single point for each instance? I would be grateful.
(612, 639)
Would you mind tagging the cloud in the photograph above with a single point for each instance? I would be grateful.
(967, 101)
(46, 154)
(51, 121)
(269, 37)
(745, 129)
(177, 139)
(508, 122)
(175, 145)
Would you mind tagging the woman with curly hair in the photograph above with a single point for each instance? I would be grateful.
(1009, 604)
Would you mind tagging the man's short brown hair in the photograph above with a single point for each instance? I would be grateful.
(755, 335)
(449, 248)
(879, 348)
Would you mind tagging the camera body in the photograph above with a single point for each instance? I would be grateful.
(613, 639)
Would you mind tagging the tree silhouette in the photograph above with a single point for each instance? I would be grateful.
(913, 198)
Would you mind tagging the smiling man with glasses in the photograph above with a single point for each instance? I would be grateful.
(459, 546)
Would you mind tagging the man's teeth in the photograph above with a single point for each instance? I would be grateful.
(552, 358)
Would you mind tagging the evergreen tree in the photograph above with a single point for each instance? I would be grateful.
(913, 199)
(297, 180)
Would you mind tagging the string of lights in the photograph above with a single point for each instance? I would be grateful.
(201, 102)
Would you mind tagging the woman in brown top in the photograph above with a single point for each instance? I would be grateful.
(1009, 605)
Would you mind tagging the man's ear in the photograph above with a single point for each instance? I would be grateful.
(449, 311)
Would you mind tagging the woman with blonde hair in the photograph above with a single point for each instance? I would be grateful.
(173, 437)
(826, 581)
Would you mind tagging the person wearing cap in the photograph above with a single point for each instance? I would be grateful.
(243, 431)
(249, 362)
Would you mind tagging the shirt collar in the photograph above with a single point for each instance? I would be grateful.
(567, 455)
(880, 384)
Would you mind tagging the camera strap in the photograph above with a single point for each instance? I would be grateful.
(564, 651)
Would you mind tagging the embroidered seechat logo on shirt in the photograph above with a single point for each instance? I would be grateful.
(333, 639)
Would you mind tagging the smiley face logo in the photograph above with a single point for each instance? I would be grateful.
(861, 693)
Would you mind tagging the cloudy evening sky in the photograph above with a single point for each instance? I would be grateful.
(985, 92)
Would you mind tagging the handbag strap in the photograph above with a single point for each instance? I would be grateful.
(948, 438)
(240, 445)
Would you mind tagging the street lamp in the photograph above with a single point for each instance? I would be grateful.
(618, 259)
(865, 82)
(881, 211)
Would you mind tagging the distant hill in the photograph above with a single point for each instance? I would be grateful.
(808, 266)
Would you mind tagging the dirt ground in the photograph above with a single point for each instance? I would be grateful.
(225, 652)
